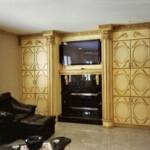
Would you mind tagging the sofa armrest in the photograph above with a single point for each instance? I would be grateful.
(22, 108)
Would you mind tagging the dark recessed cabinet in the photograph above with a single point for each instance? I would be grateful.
(81, 98)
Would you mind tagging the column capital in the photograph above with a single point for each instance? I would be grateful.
(50, 35)
(106, 31)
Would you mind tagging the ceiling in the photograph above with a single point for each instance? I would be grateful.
(33, 16)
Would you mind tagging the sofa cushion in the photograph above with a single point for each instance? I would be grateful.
(6, 117)
(38, 120)
(37, 125)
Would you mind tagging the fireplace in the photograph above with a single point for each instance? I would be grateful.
(81, 98)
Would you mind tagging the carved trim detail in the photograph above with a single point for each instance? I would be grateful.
(138, 34)
(124, 35)
(131, 26)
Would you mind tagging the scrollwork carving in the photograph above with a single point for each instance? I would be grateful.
(138, 34)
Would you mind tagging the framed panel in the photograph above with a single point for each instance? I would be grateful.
(121, 54)
(29, 99)
(42, 104)
(140, 111)
(121, 82)
(41, 79)
(122, 110)
(28, 82)
(140, 53)
(140, 82)
(41, 58)
(27, 58)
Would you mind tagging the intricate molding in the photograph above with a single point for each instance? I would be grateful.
(28, 43)
(119, 60)
(138, 34)
(140, 111)
(50, 35)
(123, 35)
(51, 39)
(131, 26)
(122, 110)
(140, 59)
(140, 76)
(106, 27)
(106, 31)
(84, 33)
(106, 35)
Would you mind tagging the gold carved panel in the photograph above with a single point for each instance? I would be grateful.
(28, 82)
(33, 42)
(42, 104)
(140, 53)
(121, 54)
(121, 82)
(131, 34)
(27, 58)
(41, 81)
(140, 82)
(41, 58)
(122, 110)
(140, 111)
(29, 99)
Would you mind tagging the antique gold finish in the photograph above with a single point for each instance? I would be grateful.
(127, 27)
(121, 54)
(131, 75)
(97, 79)
(133, 34)
(66, 79)
(140, 82)
(122, 110)
(106, 31)
(125, 71)
(140, 111)
(54, 79)
(78, 36)
(34, 70)
(121, 82)
(140, 58)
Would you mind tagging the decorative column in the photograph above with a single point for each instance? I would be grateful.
(106, 31)
(53, 42)
(50, 44)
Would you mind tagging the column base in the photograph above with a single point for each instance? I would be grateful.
(108, 124)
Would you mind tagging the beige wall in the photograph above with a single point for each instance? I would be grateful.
(9, 64)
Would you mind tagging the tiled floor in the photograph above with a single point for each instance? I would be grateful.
(95, 137)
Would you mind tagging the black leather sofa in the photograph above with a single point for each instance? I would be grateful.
(11, 112)
(17, 120)
(37, 125)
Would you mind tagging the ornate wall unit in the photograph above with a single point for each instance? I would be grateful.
(125, 72)
(87, 108)
(131, 74)
(35, 72)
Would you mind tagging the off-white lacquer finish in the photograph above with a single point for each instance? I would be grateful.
(131, 75)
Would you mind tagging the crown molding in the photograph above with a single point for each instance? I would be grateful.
(131, 26)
